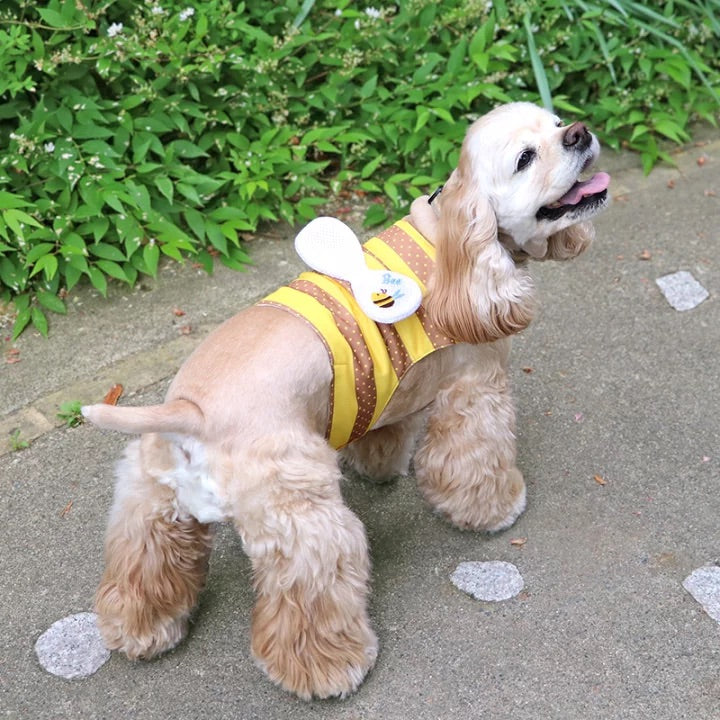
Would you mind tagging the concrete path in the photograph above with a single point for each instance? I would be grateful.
(618, 398)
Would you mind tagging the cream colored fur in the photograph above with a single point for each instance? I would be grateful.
(241, 435)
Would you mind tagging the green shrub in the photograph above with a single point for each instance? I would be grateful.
(133, 130)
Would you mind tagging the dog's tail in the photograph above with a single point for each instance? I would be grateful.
(176, 416)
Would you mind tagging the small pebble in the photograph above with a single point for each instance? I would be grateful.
(682, 290)
(72, 647)
(491, 581)
(704, 585)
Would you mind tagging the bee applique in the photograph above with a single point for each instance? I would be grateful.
(383, 298)
(331, 248)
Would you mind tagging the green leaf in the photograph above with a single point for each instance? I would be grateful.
(442, 113)
(206, 260)
(98, 227)
(16, 218)
(113, 201)
(8, 200)
(48, 264)
(85, 132)
(186, 149)
(369, 87)
(189, 192)
(678, 71)
(132, 101)
(218, 241)
(52, 17)
(375, 215)
(112, 269)
(78, 262)
(65, 118)
(423, 115)
(151, 255)
(14, 276)
(22, 302)
(21, 322)
(107, 252)
(481, 39)
(98, 280)
(371, 166)
(51, 302)
(457, 56)
(164, 185)
(671, 130)
(40, 321)
(38, 251)
(141, 143)
(196, 222)
(73, 275)
(172, 251)
(639, 131)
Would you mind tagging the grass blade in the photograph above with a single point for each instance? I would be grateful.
(307, 6)
(641, 10)
(537, 66)
(604, 49)
(568, 12)
(683, 51)
(708, 12)
(619, 7)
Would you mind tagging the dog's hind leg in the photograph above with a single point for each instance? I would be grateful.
(384, 454)
(310, 628)
(465, 465)
(155, 560)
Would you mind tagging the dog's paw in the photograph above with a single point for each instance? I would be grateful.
(485, 506)
(315, 649)
(135, 631)
(336, 671)
(165, 636)
(517, 507)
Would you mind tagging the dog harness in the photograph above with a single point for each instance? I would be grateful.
(368, 359)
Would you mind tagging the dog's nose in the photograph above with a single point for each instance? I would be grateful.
(577, 136)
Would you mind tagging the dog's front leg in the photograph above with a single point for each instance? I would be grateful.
(310, 628)
(465, 465)
(385, 454)
(155, 562)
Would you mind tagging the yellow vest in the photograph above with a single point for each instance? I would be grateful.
(368, 359)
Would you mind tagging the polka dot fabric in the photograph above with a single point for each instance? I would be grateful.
(372, 345)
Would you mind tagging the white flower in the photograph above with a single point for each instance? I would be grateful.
(114, 29)
(372, 12)
(49, 147)
(187, 13)
(157, 10)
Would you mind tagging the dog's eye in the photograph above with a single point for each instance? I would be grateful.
(558, 123)
(526, 157)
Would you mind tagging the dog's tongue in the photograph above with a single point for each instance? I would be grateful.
(597, 183)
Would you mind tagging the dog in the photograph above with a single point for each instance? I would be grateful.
(242, 434)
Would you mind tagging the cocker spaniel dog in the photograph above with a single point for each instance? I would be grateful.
(249, 431)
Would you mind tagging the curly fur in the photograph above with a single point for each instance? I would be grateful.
(241, 434)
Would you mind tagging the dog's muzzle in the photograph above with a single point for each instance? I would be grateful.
(577, 137)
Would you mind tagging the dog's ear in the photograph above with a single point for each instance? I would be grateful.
(477, 293)
(570, 242)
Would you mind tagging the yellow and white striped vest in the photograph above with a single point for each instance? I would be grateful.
(369, 359)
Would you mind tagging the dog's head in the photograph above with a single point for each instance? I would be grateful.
(516, 193)
(528, 164)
